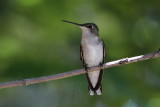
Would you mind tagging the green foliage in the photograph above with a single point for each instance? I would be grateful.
(34, 42)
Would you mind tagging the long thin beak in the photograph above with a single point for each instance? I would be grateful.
(72, 23)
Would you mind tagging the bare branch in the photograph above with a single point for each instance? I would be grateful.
(120, 62)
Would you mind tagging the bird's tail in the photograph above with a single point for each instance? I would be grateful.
(95, 88)
(98, 91)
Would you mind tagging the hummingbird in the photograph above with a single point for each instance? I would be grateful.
(92, 52)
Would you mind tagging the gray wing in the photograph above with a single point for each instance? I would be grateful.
(104, 51)
(81, 56)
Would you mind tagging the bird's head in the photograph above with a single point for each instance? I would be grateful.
(86, 27)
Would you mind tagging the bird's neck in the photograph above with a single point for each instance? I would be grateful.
(89, 38)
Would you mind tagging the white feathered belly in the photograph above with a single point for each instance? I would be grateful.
(93, 55)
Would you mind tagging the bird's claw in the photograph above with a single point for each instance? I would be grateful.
(87, 68)
(100, 65)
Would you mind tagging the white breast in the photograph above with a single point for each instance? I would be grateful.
(92, 49)
(93, 55)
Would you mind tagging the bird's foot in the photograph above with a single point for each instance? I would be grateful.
(87, 68)
(100, 65)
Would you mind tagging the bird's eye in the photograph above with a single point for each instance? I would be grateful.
(90, 26)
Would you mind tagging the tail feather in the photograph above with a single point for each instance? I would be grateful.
(91, 92)
(95, 89)
(98, 91)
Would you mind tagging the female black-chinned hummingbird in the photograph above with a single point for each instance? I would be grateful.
(92, 52)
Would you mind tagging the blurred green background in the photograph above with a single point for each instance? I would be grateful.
(34, 42)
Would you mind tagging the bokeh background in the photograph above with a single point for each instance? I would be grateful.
(34, 42)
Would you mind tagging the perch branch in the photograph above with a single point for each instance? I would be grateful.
(120, 62)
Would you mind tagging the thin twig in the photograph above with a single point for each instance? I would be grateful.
(120, 62)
